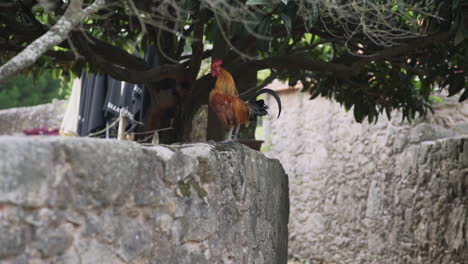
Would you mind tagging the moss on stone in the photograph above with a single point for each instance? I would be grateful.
(184, 188)
(200, 191)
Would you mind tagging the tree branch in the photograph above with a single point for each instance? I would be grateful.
(124, 73)
(294, 63)
(8, 5)
(181, 44)
(116, 55)
(197, 48)
(206, 54)
(64, 56)
(251, 91)
(72, 17)
(12, 26)
(401, 50)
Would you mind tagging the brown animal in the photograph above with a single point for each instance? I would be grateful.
(230, 109)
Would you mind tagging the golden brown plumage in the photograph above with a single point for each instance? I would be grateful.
(230, 109)
(224, 100)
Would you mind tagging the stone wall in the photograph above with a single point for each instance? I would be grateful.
(75, 200)
(388, 192)
(13, 121)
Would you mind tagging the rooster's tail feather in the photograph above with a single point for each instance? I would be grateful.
(259, 108)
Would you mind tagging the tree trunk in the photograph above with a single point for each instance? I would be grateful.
(161, 111)
(177, 104)
(215, 131)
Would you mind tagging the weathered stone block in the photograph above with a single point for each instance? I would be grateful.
(14, 120)
(77, 200)
(12, 240)
(386, 192)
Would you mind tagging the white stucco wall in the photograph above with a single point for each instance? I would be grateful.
(358, 193)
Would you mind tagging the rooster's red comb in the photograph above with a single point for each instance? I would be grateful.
(217, 63)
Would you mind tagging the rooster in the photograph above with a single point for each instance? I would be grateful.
(230, 109)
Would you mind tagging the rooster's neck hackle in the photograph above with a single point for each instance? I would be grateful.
(225, 83)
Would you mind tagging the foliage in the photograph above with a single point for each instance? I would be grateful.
(26, 90)
(397, 52)
(372, 56)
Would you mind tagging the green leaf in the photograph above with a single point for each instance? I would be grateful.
(465, 62)
(284, 2)
(455, 23)
(460, 35)
(291, 10)
(314, 95)
(292, 82)
(437, 99)
(388, 111)
(219, 44)
(463, 96)
(358, 113)
(259, 2)
(310, 21)
(317, 90)
(287, 23)
(77, 68)
(447, 81)
(264, 29)
(456, 85)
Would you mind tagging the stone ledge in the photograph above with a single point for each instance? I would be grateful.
(13, 121)
(76, 200)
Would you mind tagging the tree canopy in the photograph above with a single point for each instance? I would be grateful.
(31, 90)
(371, 56)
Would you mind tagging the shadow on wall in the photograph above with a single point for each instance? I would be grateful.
(387, 192)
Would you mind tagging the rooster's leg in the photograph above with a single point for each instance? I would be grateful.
(229, 137)
(236, 132)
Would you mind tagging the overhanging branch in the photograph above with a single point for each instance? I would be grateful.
(197, 48)
(116, 55)
(296, 62)
(401, 50)
(57, 33)
(124, 72)
(62, 56)
(293, 63)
